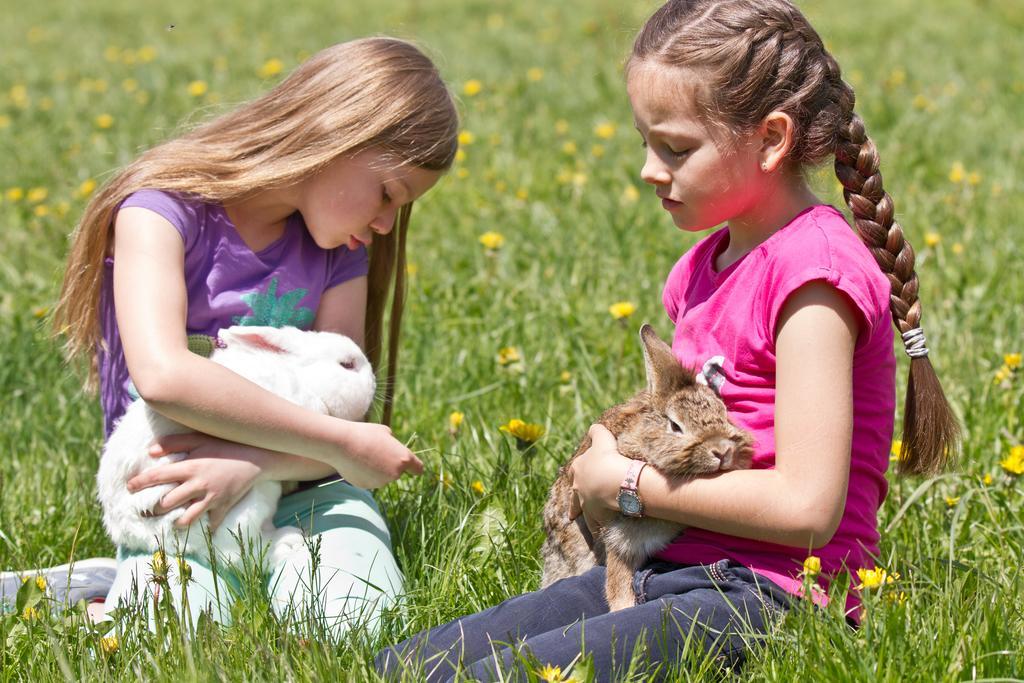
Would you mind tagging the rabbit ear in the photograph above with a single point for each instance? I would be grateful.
(664, 373)
(269, 339)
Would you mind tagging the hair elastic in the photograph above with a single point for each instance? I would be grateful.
(913, 340)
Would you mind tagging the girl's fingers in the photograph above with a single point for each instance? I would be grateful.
(192, 513)
(575, 509)
(175, 443)
(178, 497)
(163, 474)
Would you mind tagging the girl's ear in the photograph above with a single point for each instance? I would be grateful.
(268, 339)
(777, 131)
(664, 373)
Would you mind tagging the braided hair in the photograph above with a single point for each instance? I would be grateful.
(760, 56)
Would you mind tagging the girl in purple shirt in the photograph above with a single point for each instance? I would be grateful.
(263, 216)
(786, 313)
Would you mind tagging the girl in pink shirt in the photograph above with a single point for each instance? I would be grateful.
(785, 311)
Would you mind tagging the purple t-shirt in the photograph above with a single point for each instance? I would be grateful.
(726, 323)
(228, 284)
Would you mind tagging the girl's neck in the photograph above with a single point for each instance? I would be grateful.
(260, 220)
(773, 211)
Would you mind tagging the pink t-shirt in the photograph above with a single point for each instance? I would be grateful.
(726, 324)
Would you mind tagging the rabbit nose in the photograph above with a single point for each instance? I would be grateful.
(725, 451)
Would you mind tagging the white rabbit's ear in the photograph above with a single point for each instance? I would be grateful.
(664, 373)
(268, 339)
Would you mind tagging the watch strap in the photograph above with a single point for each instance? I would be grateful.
(633, 475)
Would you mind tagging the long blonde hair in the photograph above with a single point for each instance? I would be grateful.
(373, 92)
(759, 56)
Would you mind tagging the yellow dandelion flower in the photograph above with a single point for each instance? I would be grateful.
(932, 239)
(37, 194)
(30, 614)
(630, 194)
(522, 194)
(472, 87)
(812, 566)
(921, 102)
(973, 178)
(579, 179)
(896, 78)
(41, 583)
(597, 151)
(129, 85)
(1002, 374)
(873, 578)
(460, 154)
(62, 208)
(111, 53)
(14, 194)
(535, 74)
(622, 309)
(492, 240)
(1012, 360)
(508, 355)
(197, 88)
(445, 479)
(524, 432)
(564, 177)
(951, 501)
(45, 103)
(569, 147)
(159, 565)
(478, 487)
(500, 186)
(86, 188)
(957, 248)
(40, 312)
(455, 421)
(462, 173)
(412, 269)
(142, 97)
(1014, 462)
(895, 453)
(104, 121)
(495, 21)
(987, 479)
(147, 53)
(605, 131)
(561, 126)
(41, 210)
(466, 138)
(551, 674)
(957, 172)
(270, 68)
(109, 645)
(5, 121)
(565, 377)
(896, 598)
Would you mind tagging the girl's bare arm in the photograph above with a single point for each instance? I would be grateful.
(151, 301)
(801, 501)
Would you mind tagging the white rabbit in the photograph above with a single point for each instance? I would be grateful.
(322, 371)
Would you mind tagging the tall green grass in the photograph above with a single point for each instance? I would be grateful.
(941, 88)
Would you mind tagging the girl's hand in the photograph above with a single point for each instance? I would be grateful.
(375, 457)
(596, 477)
(214, 475)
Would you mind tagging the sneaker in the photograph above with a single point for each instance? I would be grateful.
(82, 580)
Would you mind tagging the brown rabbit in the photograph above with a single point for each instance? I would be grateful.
(679, 426)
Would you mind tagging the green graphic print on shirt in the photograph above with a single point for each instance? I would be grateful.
(276, 311)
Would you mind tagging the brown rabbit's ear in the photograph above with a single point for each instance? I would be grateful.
(664, 373)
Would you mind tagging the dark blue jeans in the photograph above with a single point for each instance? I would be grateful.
(718, 606)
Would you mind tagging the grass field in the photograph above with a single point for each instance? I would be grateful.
(551, 163)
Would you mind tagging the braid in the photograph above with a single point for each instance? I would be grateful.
(930, 430)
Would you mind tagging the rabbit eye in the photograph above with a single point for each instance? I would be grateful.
(348, 364)
(674, 427)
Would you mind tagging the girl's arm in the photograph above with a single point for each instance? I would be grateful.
(801, 501)
(151, 300)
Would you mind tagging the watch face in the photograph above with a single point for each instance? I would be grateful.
(629, 503)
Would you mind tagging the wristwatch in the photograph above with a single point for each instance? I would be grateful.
(629, 501)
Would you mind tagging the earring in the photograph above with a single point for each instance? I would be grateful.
(764, 166)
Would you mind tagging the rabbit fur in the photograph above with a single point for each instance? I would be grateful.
(678, 425)
(321, 371)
